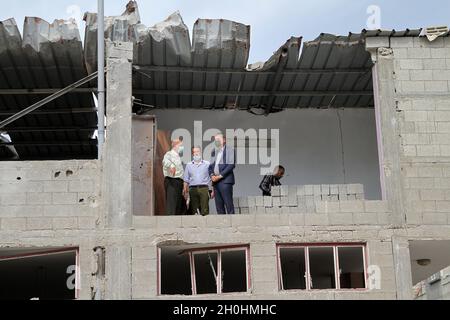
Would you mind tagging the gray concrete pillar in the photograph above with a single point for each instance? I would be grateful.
(387, 132)
(117, 176)
(117, 164)
(402, 265)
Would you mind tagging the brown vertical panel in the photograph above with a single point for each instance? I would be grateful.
(162, 146)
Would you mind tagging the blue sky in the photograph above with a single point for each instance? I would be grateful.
(272, 21)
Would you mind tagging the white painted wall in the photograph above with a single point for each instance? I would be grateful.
(310, 144)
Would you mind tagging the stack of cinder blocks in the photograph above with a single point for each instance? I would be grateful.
(297, 199)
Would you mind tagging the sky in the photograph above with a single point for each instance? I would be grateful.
(272, 21)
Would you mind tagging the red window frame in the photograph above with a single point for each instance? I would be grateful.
(335, 246)
(53, 252)
(218, 250)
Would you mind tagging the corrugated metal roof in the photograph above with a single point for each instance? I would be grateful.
(210, 72)
(49, 56)
(170, 72)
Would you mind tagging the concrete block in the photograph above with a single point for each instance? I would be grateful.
(401, 42)
(259, 201)
(384, 218)
(435, 218)
(432, 194)
(39, 198)
(243, 220)
(284, 191)
(268, 202)
(193, 221)
(251, 201)
(56, 186)
(263, 250)
(64, 198)
(365, 218)
(327, 207)
(13, 224)
(221, 221)
(169, 222)
(301, 191)
(39, 223)
(325, 189)
(276, 202)
(260, 210)
(292, 191)
(268, 220)
(309, 190)
(421, 75)
(276, 191)
(141, 222)
(419, 53)
(317, 220)
(340, 218)
(376, 206)
(285, 201)
(317, 190)
(65, 223)
(436, 86)
(236, 202)
(334, 189)
(245, 211)
(352, 206)
(411, 64)
(81, 186)
(297, 219)
(13, 199)
(243, 202)
(292, 200)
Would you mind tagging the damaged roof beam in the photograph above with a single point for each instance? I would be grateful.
(144, 69)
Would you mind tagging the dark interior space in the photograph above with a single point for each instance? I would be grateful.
(175, 272)
(234, 271)
(293, 268)
(43, 277)
(321, 262)
(351, 267)
(206, 272)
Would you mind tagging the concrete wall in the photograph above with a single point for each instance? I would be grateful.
(49, 195)
(310, 144)
(421, 84)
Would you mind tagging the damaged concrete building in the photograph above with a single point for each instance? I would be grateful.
(364, 131)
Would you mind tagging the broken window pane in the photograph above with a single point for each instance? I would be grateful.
(175, 272)
(206, 272)
(293, 268)
(351, 267)
(321, 265)
(234, 271)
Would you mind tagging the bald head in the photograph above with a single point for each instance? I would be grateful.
(176, 143)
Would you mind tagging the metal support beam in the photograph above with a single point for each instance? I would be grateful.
(101, 77)
(47, 129)
(10, 112)
(50, 143)
(149, 69)
(48, 99)
(4, 92)
(315, 93)
(274, 84)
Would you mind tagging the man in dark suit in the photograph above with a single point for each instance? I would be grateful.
(221, 171)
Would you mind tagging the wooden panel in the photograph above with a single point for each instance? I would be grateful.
(163, 145)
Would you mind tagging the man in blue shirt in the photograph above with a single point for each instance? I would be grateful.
(197, 182)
